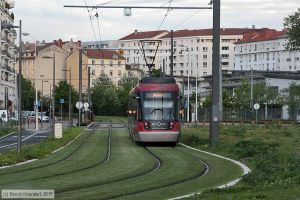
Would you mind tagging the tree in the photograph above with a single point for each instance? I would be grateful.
(292, 99)
(28, 94)
(62, 92)
(104, 96)
(126, 83)
(292, 25)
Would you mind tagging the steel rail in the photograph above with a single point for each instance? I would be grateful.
(198, 175)
(106, 159)
(156, 167)
(55, 162)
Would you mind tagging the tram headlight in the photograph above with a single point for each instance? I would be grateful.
(171, 125)
(147, 125)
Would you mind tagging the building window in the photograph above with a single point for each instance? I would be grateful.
(204, 64)
(204, 57)
(119, 72)
(102, 62)
(226, 48)
(93, 62)
(225, 56)
(205, 49)
(111, 72)
(204, 73)
(119, 63)
(288, 59)
(111, 63)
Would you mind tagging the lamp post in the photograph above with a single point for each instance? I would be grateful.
(43, 81)
(70, 107)
(53, 92)
(188, 95)
(9, 26)
(35, 83)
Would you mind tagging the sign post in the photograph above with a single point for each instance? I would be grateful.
(256, 107)
(61, 101)
(79, 106)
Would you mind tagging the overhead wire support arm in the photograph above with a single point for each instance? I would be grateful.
(143, 7)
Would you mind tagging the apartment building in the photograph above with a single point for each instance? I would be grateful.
(8, 89)
(265, 51)
(192, 50)
(135, 49)
(36, 68)
(101, 63)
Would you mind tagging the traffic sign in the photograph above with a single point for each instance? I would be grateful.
(256, 106)
(86, 105)
(79, 105)
(61, 101)
(37, 103)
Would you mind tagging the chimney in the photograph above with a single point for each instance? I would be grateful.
(79, 43)
(60, 43)
(43, 41)
(136, 32)
(253, 26)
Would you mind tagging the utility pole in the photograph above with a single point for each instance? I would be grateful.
(20, 91)
(251, 95)
(53, 98)
(172, 54)
(215, 115)
(70, 102)
(89, 91)
(80, 84)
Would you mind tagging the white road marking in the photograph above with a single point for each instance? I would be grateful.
(21, 140)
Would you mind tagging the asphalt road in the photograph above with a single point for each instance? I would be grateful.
(28, 137)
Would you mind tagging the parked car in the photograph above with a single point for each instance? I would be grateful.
(43, 118)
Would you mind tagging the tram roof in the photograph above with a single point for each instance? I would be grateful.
(158, 80)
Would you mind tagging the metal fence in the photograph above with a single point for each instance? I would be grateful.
(245, 114)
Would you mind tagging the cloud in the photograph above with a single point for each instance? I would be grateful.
(49, 20)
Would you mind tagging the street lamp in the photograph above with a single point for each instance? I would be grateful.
(36, 107)
(9, 26)
(42, 94)
(53, 92)
(70, 107)
(188, 95)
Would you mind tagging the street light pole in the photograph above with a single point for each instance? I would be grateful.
(43, 81)
(20, 91)
(53, 93)
(70, 107)
(53, 97)
(35, 83)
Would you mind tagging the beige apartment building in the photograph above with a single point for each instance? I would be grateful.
(38, 68)
(101, 63)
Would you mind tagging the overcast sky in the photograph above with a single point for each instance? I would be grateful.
(49, 20)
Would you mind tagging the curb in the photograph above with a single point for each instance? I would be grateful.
(246, 170)
(29, 161)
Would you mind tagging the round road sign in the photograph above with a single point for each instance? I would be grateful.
(79, 105)
(256, 106)
(86, 105)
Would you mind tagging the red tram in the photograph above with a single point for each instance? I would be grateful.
(153, 111)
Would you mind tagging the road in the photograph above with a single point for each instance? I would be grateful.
(29, 136)
(104, 163)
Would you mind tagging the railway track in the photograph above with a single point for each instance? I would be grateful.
(92, 181)
(157, 167)
(70, 156)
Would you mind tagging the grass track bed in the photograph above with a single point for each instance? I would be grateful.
(128, 174)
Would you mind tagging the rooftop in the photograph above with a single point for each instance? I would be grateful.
(143, 35)
(263, 35)
(103, 54)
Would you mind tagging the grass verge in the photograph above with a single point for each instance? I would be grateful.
(6, 130)
(40, 150)
(272, 152)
